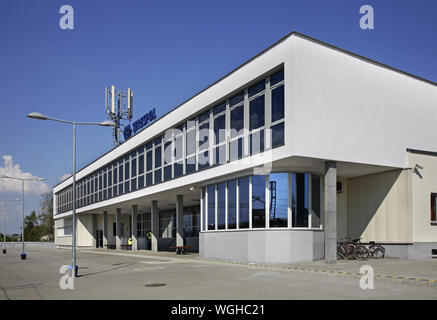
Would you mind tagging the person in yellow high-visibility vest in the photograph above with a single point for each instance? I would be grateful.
(129, 241)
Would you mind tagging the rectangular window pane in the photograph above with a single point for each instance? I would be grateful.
(178, 147)
(211, 207)
(203, 210)
(178, 169)
(158, 176)
(115, 175)
(220, 129)
(237, 121)
(114, 191)
(126, 186)
(157, 141)
(191, 164)
(203, 160)
(191, 142)
(277, 103)
(141, 164)
(204, 136)
(204, 116)
(120, 173)
(278, 189)
(278, 135)
(110, 177)
(256, 141)
(149, 163)
(300, 199)
(239, 97)
(149, 179)
(158, 157)
(120, 189)
(277, 77)
(168, 152)
(126, 170)
(232, 204)
(134, 168)
(236, 149)
(220, 154)
(257, 114)
(315, 201)
(140, 182)
(243, 203)
(220, 108)
(221, 205)
(258, 201)
(256, 88)
(133, 185)
(167, 172)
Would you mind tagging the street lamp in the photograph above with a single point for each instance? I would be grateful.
(107, 123)
(23, 254)
(4, 234)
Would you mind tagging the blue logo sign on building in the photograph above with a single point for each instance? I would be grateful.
(139, 124)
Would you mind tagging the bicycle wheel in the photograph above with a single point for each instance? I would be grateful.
(361, 253)
(341, 252)
(378, 252)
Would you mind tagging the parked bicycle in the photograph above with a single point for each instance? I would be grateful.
(376, 251)
(352, 249)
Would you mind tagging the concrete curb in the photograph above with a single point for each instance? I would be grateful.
(412, 281)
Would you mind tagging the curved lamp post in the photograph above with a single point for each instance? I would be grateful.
(23, 254)
(4, 234)
(107, 123)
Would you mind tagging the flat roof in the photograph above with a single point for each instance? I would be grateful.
(301, 35)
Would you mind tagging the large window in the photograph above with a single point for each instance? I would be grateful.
(240, 124)
(292, 200)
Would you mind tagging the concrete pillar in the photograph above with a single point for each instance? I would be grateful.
(118, 229)
(94, 229)
(179, 220)
(105, 229)
(134, 227)
(330, 212)
(155, 225)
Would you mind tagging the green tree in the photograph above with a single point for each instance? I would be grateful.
(31, 228)
(45, 218)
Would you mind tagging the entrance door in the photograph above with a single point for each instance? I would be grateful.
(99, 239)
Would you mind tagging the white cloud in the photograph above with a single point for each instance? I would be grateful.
(64, 177)
(11, 185)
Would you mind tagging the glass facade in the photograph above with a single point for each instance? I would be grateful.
(292, 200)
(189, 147)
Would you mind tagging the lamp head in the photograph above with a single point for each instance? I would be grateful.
(107, 123)
(37, 115)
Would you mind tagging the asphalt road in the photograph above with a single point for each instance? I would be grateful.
(111, 275)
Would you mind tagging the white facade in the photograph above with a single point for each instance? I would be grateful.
(338, 107)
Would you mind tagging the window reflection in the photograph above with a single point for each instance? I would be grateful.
(243, 204)
(221, 205)
(211, 207)
(300, 199)
(278, 189)
(232, 204)
(258, 201)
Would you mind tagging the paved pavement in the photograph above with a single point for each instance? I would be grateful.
(127, 275)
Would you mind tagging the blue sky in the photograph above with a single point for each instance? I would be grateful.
(166, 52)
